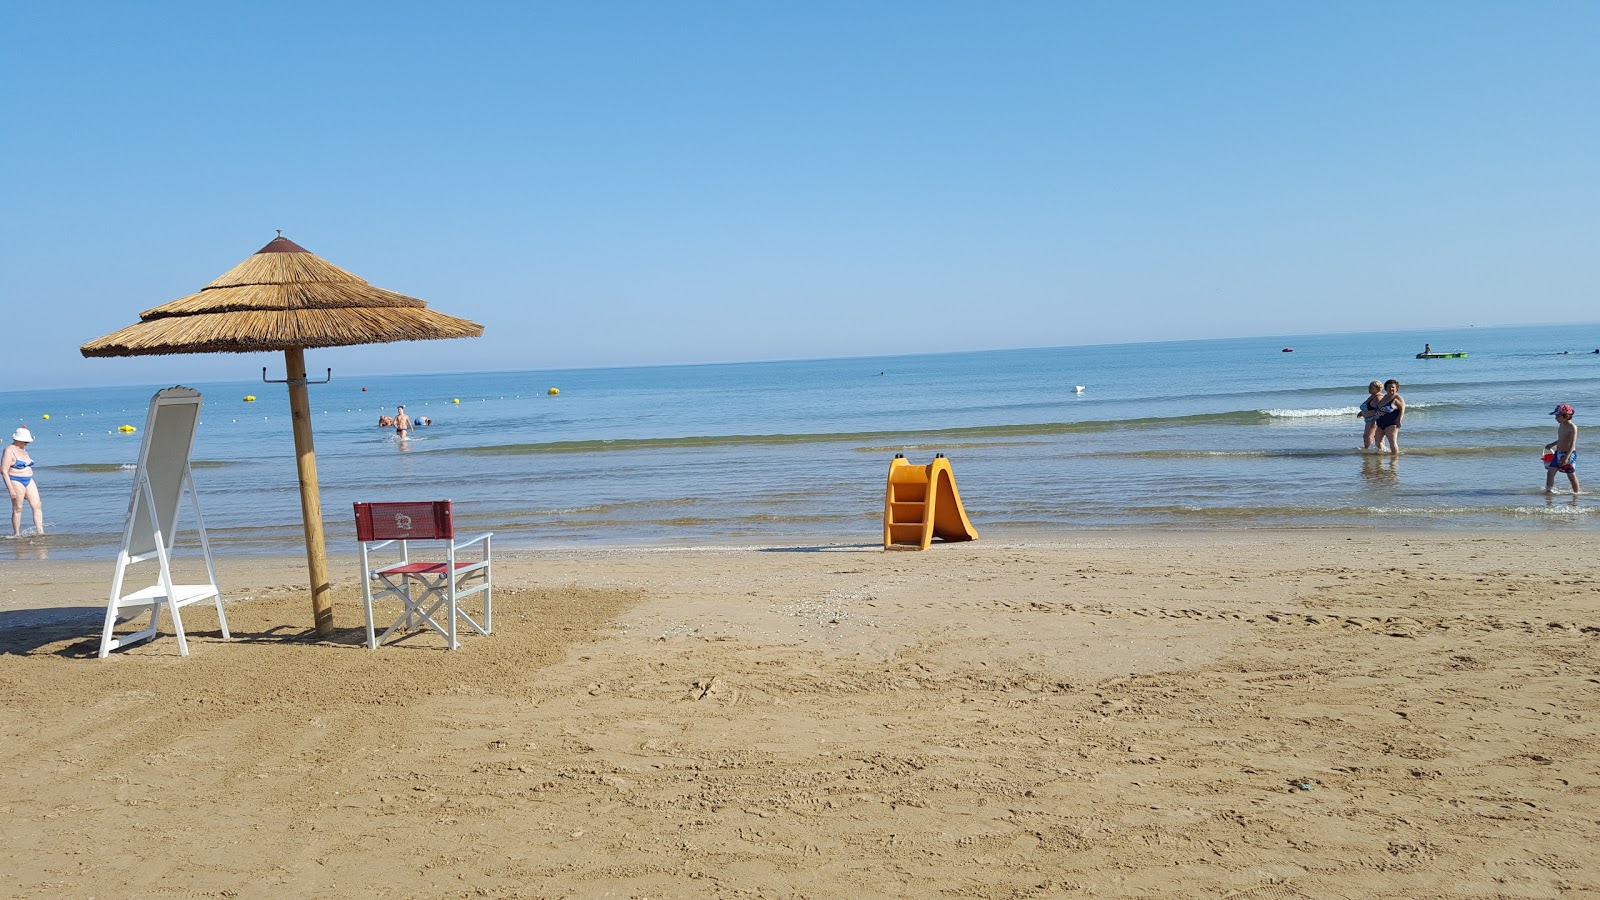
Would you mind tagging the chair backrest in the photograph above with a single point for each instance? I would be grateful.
(428, 520)
(164, 460)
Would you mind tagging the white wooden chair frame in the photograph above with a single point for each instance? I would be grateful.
(152, 526)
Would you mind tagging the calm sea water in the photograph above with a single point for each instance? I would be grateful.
(1189, 435)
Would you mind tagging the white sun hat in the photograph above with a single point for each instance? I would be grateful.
(22, 434)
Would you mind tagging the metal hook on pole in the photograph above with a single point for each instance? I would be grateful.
(294, 380)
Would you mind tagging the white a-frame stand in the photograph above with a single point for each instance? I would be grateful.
(158, 488)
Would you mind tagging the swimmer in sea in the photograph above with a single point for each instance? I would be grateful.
(402, 424)
(18, 468)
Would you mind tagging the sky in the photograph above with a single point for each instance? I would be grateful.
(615, 184)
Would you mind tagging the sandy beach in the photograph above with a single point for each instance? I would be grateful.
(1253, 714)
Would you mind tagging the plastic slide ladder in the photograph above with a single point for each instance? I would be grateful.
(922, 503)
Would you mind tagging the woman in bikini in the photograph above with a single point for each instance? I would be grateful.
(18, 468)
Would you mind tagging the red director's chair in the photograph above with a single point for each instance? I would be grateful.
(424, 588)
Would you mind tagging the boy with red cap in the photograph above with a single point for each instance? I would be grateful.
(1565, 458)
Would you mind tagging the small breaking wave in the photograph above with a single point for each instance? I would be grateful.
(1327, 412)
(103, 468)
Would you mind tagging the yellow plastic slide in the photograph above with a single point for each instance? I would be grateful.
(922, 503)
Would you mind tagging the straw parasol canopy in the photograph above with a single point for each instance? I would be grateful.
(280, 298)
(287, 298)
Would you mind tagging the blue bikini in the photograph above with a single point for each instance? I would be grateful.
(23, 480)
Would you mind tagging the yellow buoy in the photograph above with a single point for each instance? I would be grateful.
(455, 399)
(250, 398)
(47, 415)
(553, 391)
(126, 428)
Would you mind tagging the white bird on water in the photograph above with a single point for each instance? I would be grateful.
(1077, 389)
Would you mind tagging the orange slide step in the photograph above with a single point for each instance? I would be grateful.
(922, 503)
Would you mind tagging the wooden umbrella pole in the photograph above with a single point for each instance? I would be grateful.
(310, 496)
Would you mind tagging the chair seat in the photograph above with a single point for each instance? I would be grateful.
(423, 568)
(182, 595)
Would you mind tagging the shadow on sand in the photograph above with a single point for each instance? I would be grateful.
(831, 548)
(24, 632)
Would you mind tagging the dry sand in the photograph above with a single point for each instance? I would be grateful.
(1272, 714)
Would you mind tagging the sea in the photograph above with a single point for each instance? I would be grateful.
(1244, 433)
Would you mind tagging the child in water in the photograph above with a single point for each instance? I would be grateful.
(1565, 458)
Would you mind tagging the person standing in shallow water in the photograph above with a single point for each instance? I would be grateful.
(1394, 410)
(1565, 447)
(402, 423)
(1369, 413)
(18, 467)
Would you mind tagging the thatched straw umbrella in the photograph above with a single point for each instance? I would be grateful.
(286, 298)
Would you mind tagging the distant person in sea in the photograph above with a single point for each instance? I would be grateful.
(1427, 348)
(386, 421)
(1564, 459)
(1393, 410)
(1369, 426)
(402, 423)
(423, 420)
(18, 466)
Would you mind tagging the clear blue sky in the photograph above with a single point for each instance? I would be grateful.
(636, 183)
